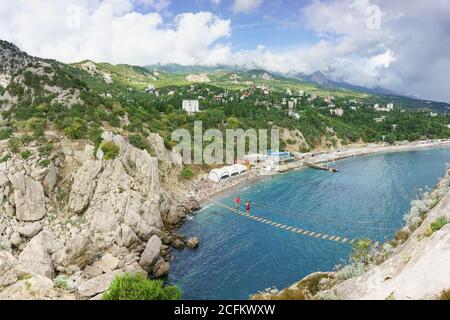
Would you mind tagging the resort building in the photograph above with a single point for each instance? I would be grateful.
(191, 106)
(227, 172)
(276, 157)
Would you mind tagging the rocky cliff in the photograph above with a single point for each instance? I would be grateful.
(71, 221)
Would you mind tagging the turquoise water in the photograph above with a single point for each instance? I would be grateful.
(367, 198)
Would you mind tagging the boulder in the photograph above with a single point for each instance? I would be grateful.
(29, 198)
(178, 244)
(15, 239)
(29, 230)
(79, 252)
(16, 283)
(92, 271)
(98, 284)
(151, 253)
(36, 257)
(192, 243)
(50, 179)
(161, 268)
(107, 263)
(127, 237)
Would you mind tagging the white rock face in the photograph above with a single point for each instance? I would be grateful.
(36, 257)
(418, 269)
(127, 190)
(84, 185)
(17, 283)
(151, 253)
(29, 198)
(200, 78)
(98, 284)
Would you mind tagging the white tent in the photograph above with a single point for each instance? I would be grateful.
(226, 172)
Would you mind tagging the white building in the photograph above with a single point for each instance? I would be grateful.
(227, 172)
(389, 107)
(294, 115)
(337, 112)
(291, 105)
(150, 88)
(191, 106)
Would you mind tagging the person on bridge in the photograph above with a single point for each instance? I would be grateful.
(248, 207)
(237, 202)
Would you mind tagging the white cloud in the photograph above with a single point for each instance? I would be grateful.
(109, 30)
(245, 6)
(403, 48)
(215, 2)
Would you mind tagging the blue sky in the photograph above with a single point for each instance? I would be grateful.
(400, 45)
(275, 24)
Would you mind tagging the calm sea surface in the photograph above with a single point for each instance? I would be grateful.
(367, 198)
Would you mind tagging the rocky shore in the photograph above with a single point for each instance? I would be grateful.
(70, 221)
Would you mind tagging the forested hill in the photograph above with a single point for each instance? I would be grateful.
(81, 99)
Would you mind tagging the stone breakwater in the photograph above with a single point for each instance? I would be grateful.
(71, 223)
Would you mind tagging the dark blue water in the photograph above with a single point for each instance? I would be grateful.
(238, 256)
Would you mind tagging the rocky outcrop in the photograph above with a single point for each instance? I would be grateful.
(17, 283)
(80, 220)
(97, 285)
(36, 257)
(29, 198)
(151, 253)
(418, 269)
(84, 185)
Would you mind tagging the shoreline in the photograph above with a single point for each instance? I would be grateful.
(207, 193)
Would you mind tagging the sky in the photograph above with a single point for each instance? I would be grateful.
(400, 45)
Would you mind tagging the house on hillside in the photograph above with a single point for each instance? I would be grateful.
(339, 112)
(191, 106)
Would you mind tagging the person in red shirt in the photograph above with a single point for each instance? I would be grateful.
(237, 201)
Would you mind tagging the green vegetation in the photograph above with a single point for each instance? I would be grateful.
(45, 149)
(109, 149)
(187, 173)
(62, 282)
(14, 144)
(124, 106)
(26, 154)
(44, 163)
(438, 224)
(5, 133)
(138, 287)
(5, 158)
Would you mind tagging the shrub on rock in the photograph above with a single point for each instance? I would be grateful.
(109, 149)
(138, 287)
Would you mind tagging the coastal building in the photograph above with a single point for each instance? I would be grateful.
(227, 172)
(278, 157)
(255, 158)
(191, 106)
